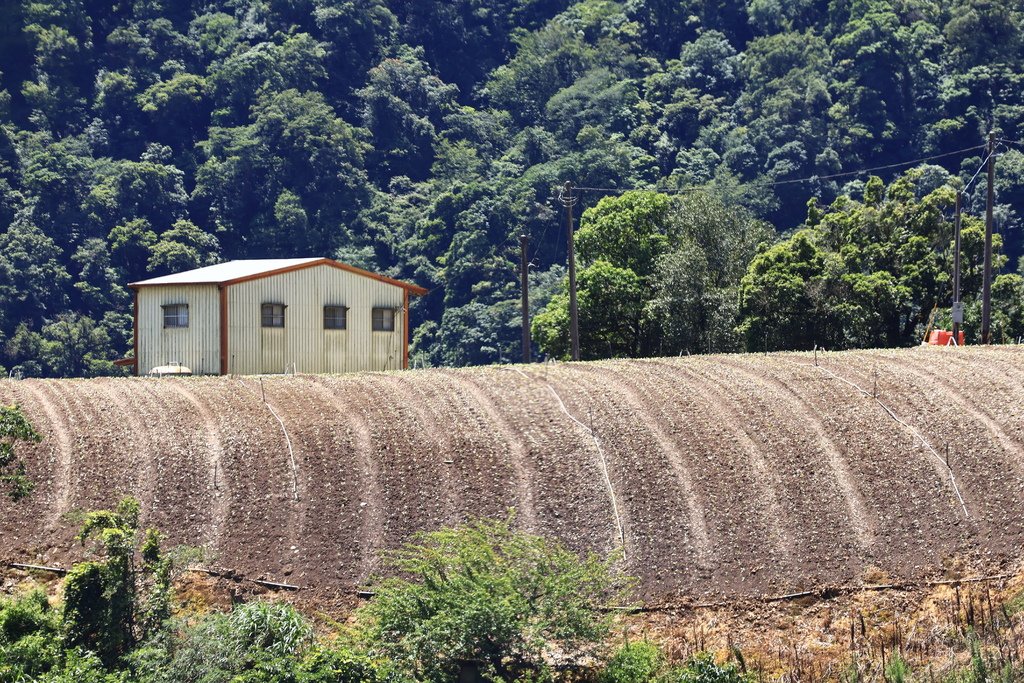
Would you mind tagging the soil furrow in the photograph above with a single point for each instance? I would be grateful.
(803, 483)
(479, 472)
(411, 471)
(743, 536)
(862, 522)
(571, 497)
(920, 521)
(64, 490)
(651, 476)
(920, 367)
(716, 396)
(517, 450)
(214, 482)
(255, 465)
(975, 447)
(370, 493)
(623, 537)
(289, 465)
(735, 476)
(869, 379)
(145, 452)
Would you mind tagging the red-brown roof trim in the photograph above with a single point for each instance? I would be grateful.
(407, 286)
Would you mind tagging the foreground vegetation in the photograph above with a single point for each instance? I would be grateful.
(14, 428)
(510, 606)
(480, 599)
(421, 137)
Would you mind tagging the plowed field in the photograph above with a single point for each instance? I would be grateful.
(719, 476)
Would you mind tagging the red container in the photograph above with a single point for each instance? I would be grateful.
(945, 338)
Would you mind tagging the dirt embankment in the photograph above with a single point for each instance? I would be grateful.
(723, 476)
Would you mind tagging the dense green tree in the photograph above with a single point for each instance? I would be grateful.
(32, 278)
(660, 276)
(75, 346)
(420, 138)
(295, 143)
(403, 106)
(183, 247)
(864, 273)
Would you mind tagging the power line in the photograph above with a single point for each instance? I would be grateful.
(975, 176)
(792, 181)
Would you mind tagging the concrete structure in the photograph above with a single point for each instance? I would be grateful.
(268, 316)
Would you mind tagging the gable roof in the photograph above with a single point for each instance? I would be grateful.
(233, 272)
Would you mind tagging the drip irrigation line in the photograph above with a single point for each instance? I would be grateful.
(792, 181)
(287, 439)
(825, 592)
(601, 454)
(913, 430)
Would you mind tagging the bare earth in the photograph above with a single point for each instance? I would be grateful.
(721, 477)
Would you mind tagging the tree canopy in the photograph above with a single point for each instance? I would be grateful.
(419, 139)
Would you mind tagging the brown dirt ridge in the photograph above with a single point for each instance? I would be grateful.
(736, 476)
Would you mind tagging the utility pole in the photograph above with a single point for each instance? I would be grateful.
(525, 283)
(958, 308)
(986, 288)
(569, 200)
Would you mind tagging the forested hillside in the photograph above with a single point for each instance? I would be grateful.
(420, 138)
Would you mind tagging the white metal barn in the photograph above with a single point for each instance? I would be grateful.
(266, 316)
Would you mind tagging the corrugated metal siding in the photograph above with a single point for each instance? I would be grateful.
(304, 342)
(196, 346)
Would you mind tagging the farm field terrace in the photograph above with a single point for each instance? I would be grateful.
(718, 477)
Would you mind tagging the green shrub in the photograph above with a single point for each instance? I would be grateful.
(897, 670)
(702, 668)
(328, 665)
(258, 641)
(29, 642)
(14, 427)
(634, 663)
(82, 667)
(112, 604)
(485, 593)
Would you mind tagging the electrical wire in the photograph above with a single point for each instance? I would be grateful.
(976, 173)
(792, 181)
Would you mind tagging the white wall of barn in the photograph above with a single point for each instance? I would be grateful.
(253, 349)
(196, 346)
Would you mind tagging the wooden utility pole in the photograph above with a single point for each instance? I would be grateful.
(986, 287)
(958, 309)
(569, 201)
(525, 284)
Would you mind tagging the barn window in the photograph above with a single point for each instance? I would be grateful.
(272, 315)
(335, 317)
(176, 315)
(383, 319)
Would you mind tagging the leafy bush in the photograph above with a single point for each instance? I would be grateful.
(254, 642)
(110, 605)
(326, 665)
(897, 670)
(484, 593)
(644, 662)
(14, 427)
(82, 667)
(702, 668)
(634, 663)
(29, 642)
